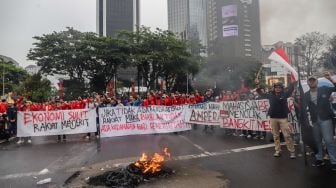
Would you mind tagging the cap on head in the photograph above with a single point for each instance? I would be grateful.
(278, 84)
(312, 78)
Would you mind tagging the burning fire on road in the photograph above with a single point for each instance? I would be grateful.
(145, 169)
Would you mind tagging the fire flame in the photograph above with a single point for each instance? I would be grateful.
(153, 164)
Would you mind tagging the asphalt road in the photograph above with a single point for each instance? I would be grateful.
(201, 159)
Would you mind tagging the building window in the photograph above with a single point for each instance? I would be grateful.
(248, 50)
(247, 40)
(249, 55)
(247, 44)
(247, 35)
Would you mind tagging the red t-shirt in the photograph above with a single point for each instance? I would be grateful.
(168, 101)
(145, 102)
(3, 108)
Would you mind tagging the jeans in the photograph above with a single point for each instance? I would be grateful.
(324, 130)
(12, 128)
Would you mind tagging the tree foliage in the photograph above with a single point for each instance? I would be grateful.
(35, 88)
(158, 54)
(329, 57)
(313, 44)
(13, 76)
(61, 53)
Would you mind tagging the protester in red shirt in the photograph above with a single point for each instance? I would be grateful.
(26, 107)
(182, 99)
(174, 99)
(3, 106)
(151, 98)
(198, 97)
(167, 100)
(158, 100)
(192, 99)
(145, 102)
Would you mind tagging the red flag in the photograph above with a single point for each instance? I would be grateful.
(280, 56)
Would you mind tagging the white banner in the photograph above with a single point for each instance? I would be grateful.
(230, 30)
(229, 11)
(43, 123)
(120, 121)
(203, 113)
(245, 115)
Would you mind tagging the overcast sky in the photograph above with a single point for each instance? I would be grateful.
(20, 20)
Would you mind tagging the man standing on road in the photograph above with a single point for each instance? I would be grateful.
(317, 101)
(278, 113)
(209, 98)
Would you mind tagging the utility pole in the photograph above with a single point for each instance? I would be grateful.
(187, 82)
(3, 79)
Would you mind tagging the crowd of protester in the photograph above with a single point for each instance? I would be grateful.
(9, 107)
(278, 106)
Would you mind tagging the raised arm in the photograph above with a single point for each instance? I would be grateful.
(328, 77)
(290, 89)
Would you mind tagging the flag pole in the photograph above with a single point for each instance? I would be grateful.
(259, 71)
(302, 144)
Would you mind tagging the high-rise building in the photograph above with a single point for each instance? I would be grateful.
(187, 18)
(116, 15)
(234, 28)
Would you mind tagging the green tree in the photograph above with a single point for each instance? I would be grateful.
(329, 57)
(12, 75)
(159, 54)
(35, 88)
(63, 53)
(108, 55)
(313, 44)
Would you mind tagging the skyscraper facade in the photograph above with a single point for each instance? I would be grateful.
(234, 28)
(116, 15)
(187, 18)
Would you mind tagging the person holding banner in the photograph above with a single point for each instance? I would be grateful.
(278, 113)
(26, 107)
(209, 98)
(317, 102)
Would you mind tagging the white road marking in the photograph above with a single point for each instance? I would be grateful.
(195, 145)
(19, 175)
(203, 155)
(178, 158)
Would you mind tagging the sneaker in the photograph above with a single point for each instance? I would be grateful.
(262, 138)
(277, 154)
(292, 155)
(326, 157)
(19, 142)
(242, 135)
(87, 137)
(256, 137)
(318, 163)
(249, 136)
(29, 141)
(97, 136)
